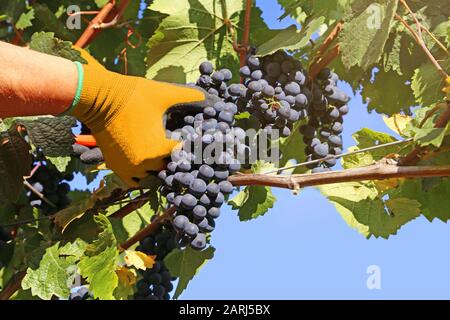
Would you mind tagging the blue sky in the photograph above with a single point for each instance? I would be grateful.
(302, 249)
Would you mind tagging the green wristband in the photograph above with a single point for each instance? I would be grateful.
(77, 97)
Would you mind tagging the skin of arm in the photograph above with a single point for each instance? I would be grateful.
(33, 83)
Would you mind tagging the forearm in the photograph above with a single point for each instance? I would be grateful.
(33, 83)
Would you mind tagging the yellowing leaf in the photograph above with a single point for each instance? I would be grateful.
(397, 122)
(139, 259)
(384, 185)
(126, 276)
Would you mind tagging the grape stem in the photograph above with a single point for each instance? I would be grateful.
(419, 40)
(13, 285)
(383, 169)
(415, 155)
(108, 16)
(40, 195)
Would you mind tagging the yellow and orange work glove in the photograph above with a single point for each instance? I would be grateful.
(125, 115)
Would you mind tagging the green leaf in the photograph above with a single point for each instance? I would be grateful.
(60, 162)
(99, 263)
(434, 200)
(100, 271)
(75, 211)
(383, 99)
(430, 136)
(354, 191)
(53, 277)
(363, 37)
(427, 83)
(15, 163)
(25, 20)
(292, 148)
(366, 138)
(52, 134)
(130, 224)
(191, 33)
(372, 213)
(291, 38)
(101, 3)
(185, 264)
(46, 20)
(47, 43)
(254, 201)
(105, 238)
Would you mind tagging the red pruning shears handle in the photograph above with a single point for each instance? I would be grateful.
(86, 140)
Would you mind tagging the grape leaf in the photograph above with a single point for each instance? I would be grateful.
(75, 211)
(291, 38)
(60, 163)
(100, 271)
(25, 20)
(185, 264)
(292, 148)
(254, 201)
(354, 191)
(372, 213)
(363, 38)
(427, 83)
(400, 99)
(191, 33)
(15, 163)
(52, 134)
(101, 3)
(47, 43)
(98, 264)
(53, 277)
(75, 248)
(126, 278)
(434, 200)
(430, 136)
(366, 138)
(46, 20)
(139, 260)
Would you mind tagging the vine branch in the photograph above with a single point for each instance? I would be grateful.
(13, 285)
(384, 169)
(108, 16)
(419, 40)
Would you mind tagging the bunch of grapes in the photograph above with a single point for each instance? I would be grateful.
(52, 184)
(195, 181)
(214, 82)
(87, 155)
(274, 91)
(156, 283)
(278, 92)
(322, 134)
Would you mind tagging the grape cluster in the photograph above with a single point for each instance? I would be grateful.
(214, 82)
(322, 134)
(278, 92)
(52, 184)
(195, 181)
(274, 91)
(87, 155)
(156, 283)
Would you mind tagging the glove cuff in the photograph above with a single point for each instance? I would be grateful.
(102, 96)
